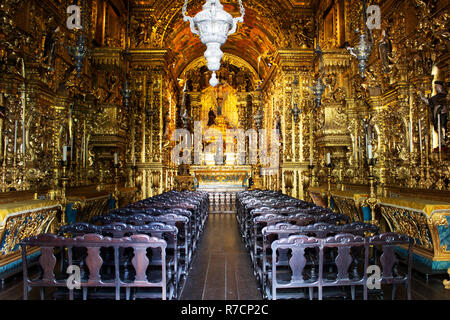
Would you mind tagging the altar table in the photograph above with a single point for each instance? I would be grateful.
(20, 220)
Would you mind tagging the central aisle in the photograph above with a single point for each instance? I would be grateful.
(221, 268)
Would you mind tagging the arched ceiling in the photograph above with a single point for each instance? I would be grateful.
(268, 25)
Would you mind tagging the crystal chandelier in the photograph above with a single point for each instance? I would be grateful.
(214, 26)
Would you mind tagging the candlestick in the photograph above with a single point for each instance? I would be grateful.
(420, 136)
(329, 184)
(439, 132)
(410, 137)
(64, 153)
(372, 200)
(64, 180)
(15, 137)
(71, 149)
(6, 149)
(359, 148)
(116, 184)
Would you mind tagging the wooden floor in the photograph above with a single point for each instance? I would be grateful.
(221, 270)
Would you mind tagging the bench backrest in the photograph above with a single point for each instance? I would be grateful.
(139, 243)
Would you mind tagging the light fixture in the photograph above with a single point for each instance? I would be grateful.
(214, 26)
(363, 49)
(126, 92)
(259, 116)
(295, 110)
(79, 51)
(318, 88)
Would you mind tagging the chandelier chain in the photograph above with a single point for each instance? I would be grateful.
(241, 9)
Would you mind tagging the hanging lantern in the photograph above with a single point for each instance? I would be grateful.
(362, 53)
(126, 94)
(213, 25)
(78, 53)
(318, 90)
(296, 112)
(363, 49)
(259, 116)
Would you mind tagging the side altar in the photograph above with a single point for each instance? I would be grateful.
(221, 178)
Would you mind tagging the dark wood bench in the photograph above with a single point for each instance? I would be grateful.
(146, 282)
(297, 280)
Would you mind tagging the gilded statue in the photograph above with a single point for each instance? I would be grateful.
(385, 51)
(211, 117)
(50, 47)
(438, 109)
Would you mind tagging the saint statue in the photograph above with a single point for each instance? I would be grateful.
(50, 47)
(385, 50)
(438, 106)
(211, 117)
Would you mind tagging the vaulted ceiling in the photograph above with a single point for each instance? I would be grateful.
(268, 25)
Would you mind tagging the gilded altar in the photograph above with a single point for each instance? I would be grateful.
(221, 178)
(427, 222)
(19, 220)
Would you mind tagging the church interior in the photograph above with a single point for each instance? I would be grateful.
(224, 150)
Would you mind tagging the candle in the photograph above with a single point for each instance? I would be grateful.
(420, 136)
(15, 137)
(116, 160)
(64, 153)
(310, 158)
(369, 151)
(328, 158)
(134, 162)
